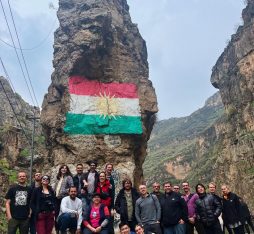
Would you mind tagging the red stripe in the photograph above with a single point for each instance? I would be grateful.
(82, 86)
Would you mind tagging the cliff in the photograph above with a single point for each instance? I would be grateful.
(97, 46)
(233, 75)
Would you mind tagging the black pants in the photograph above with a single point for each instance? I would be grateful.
(198, 226)
(152, 228)
(215, 228)
(238, 230)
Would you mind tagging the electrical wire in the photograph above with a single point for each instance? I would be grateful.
(17, 53)
(36, 46)
(28, 75)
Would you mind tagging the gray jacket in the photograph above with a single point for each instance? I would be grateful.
(148, 209)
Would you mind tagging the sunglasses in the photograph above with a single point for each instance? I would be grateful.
(45, 178)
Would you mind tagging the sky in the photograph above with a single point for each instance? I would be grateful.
(184, 40)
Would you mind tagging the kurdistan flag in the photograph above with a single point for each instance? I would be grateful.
(102, 108)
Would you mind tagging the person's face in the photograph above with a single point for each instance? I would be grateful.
(156, 187)
(211, 188)
(96, 200)
(225, 190)
(64, 170)
(176, 189)
(109, 168)
(79, 169)
(143, 189)
(127, 185)
(186, 187)
(22, 178)
(139, 230)
(167, 188)
(73, 193)
(102, 177)
(200, 189)
(125, 229)
(45, 180)
(92, 167)
(37, 176)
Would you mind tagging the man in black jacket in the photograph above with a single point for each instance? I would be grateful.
(174, 211)
(208, 209)
(77, 179)
(125, 204)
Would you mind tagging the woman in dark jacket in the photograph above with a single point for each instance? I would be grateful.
(231, 211)
(208, 209)
(43, 205)
(125, 204)
(95, 219)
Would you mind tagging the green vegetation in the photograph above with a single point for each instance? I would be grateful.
(39, 140)
(5, 168)
(25, 152)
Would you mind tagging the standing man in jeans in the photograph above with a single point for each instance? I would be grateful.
(18, 206)
(148, 211)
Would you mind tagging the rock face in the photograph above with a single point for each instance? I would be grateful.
(178, 149)
(233, 75)
(97, 43)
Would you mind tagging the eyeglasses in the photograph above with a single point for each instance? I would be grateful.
(45, 178)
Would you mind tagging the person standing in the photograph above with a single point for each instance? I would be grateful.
(231, 210)
(156, 190)
(148, 211)
(77, 179)
(208, 209)
(70, 215)
(43, 204)
(90, 179)
(18, 206)
(174, 211)
(245, 213)
(190, 199)
(125, 204)
(35, 184)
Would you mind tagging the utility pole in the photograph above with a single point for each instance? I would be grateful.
(32, 146)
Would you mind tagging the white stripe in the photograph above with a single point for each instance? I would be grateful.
(91, 105)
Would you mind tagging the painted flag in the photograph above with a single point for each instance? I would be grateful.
(102, 108)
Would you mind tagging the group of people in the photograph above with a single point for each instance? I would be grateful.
(86, 203)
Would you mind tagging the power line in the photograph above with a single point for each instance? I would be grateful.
(36, 46)
(19, 106)
(28, 75)
(16, 52)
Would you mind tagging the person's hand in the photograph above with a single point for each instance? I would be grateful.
(181, 221)
(192, 220)
(85, 183)
(158, 221)
(9, 217)
(78, 231)
(112, 212)
(98, 229)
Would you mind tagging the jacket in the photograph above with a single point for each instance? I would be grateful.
(121, 204)
(231, 209)
(85, 177)
(173, 208)
(208, 209)
(105, 191)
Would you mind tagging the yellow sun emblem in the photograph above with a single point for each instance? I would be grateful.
(107, 106)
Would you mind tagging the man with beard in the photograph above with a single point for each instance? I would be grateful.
(156, 190)
(125, 204)
(77, 179)
(190, 199)
(174, 211)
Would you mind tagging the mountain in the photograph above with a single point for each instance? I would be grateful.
(172, 148)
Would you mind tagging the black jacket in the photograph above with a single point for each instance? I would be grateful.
(121, 204)
(231, 209)
(77, 181)
(208, 209)
(173, 208)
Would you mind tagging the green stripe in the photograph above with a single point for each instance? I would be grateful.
(94, 124)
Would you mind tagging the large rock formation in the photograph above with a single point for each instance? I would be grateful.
(97, 45)
(233, 75)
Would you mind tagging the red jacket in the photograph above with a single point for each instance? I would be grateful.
(105, 190)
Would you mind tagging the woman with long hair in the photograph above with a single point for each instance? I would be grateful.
(64, 182)
(43, 205)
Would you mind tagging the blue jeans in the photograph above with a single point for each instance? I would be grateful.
(176, 229)
(66, 220)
